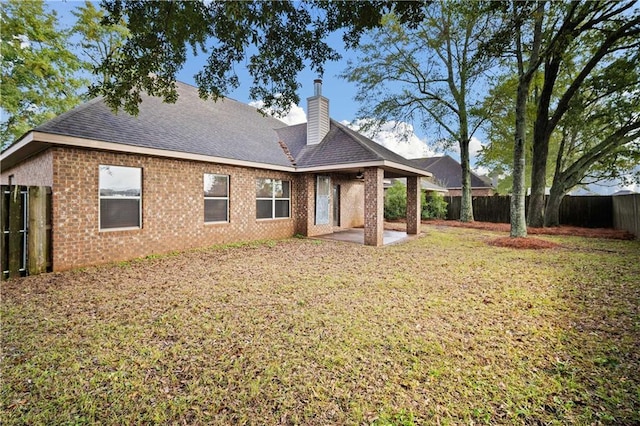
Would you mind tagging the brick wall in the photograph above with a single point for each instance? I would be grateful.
(351, 204)
(172, 212)
(35, 171)
(351, 201)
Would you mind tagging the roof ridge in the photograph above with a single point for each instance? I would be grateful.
(285, 148)
(356, 137)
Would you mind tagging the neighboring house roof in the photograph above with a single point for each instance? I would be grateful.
(424, 183)
(448, 172)
(223, 131)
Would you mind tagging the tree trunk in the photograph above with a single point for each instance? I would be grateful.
(552, 214)
(518, 218)
(466, 208)
(535, 216)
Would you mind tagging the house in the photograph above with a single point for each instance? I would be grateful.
(447, 172)
(197, 173)
(425, 184)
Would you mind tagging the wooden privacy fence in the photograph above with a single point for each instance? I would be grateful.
(626, 213)
(583, 211)
(25, 221)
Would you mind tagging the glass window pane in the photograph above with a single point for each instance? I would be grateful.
(264, 188)
(215, 210)
(283, 189)
(282, 208)
(124, 213)
(264, 209)
(117, 181)
(216, 185)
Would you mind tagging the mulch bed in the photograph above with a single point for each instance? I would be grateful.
(614, 234)
(528, 242)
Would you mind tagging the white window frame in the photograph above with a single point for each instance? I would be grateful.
(204, 178)
(101, 197)
(273, 199)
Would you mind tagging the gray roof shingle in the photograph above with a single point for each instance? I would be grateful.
(226, 128)
(340, 146)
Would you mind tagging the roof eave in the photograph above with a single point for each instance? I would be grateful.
(40, 140)
(383, 164)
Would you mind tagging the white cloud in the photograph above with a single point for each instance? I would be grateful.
(475, 145)
(398, 137)
(296, 114)
(481, 170)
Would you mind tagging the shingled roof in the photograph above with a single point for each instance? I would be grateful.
(225, 129)
(340, 146)
(448, 172)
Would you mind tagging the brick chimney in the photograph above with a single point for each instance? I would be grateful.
(317, 115)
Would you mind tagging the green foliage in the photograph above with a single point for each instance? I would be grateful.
(38, 70)
(428, 74)
(434, 206)
(98, 41)
(395, 201)
(287, 36)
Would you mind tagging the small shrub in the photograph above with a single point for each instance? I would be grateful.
(434, 206)
(395, 202)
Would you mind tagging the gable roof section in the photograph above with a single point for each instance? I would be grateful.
(448, 172)
(225, 129)
(341, 146)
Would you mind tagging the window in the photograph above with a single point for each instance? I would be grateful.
(273, 199)
(323, 193)
(216, 198)
(120, 197)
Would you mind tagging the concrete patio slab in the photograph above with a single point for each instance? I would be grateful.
(356, 235)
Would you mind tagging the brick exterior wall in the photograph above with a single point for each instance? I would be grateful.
(172, 208)
(373, 206)
(351, 201)
(35, 171)
(351, 204)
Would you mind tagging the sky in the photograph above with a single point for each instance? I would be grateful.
(342, 106)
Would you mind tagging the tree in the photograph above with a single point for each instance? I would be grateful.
(288, 36)
(38, 70)
(497, 154)
(601, 32)
(600, 135)
(97, 41)
(428, 73)
(527, 52)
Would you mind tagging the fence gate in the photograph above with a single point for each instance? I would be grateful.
(25, 221)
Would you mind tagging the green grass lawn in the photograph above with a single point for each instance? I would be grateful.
(444, 329)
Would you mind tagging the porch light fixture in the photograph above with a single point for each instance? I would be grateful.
(360, 175)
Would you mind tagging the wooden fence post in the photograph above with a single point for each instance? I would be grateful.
(15, 237)
(37, 243)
